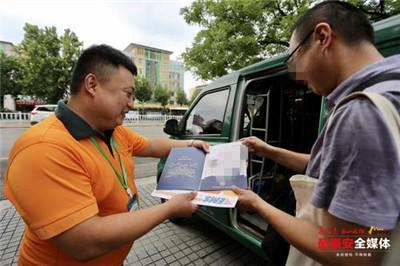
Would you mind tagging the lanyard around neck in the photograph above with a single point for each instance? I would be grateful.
(122, 179)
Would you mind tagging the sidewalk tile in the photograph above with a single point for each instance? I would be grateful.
(194, 242)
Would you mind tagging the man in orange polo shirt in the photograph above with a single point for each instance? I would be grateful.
(70, 177)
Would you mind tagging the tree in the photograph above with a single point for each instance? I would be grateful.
(142, 90)
(236, 33)
(378, 9)
(10, 69)
(162, 95)
(47, 61)
(181, 97)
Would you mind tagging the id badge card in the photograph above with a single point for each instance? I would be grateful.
(128, 190)
(133, 204)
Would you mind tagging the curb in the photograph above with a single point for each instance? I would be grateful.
(14, 125)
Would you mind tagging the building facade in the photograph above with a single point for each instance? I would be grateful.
(8, 48)
(196, 89)
(155, 65)
(176, 76)
(8, 100)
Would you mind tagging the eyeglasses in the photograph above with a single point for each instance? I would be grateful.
(298, 46)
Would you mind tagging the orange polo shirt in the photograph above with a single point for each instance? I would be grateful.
(57, 178)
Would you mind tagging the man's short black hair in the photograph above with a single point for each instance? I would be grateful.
(99, 60)
(346, 20)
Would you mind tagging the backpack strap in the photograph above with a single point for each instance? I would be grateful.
(385, 107)
(375, 80)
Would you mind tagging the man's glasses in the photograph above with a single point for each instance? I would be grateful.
(298, 46)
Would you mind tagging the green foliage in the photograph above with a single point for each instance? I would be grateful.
(142, 89)
(47, 61)
(236, 33)
(181, 97)
(162, 95)
(10, 71)
(376, 9)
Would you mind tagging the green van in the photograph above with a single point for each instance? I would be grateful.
(260, 100)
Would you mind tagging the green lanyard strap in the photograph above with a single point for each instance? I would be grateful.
(122, 179)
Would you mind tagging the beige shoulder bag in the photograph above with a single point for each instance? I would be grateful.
(303, 186)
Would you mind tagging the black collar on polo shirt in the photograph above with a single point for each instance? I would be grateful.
(78, 127)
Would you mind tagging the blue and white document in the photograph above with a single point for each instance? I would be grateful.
(212, 174)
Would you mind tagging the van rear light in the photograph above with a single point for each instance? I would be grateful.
(34, 113)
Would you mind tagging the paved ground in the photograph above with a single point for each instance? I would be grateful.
(194, 242)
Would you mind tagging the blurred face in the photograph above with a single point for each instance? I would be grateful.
(309, 62)
(114, 98)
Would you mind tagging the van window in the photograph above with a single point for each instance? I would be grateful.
(208, 115)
